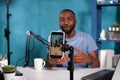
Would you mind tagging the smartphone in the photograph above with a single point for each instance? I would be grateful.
(57, 40)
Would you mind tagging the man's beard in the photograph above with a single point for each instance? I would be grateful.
(67, 32)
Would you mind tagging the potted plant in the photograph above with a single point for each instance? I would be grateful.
(116, 25)
(9, 72)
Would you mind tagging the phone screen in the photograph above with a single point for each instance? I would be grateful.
(57, 41)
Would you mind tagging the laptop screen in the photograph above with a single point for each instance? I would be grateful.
(116, 75)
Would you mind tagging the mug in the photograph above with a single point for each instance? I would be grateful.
(39, 64)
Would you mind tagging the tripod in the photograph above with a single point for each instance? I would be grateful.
(7, 32)
(70, 63)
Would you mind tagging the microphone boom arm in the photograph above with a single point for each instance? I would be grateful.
(27, 55)
(39, 38)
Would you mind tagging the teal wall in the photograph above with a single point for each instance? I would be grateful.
(41, 17)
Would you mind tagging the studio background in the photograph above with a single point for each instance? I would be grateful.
(41, 17)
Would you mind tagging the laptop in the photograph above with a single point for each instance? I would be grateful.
(105, 74)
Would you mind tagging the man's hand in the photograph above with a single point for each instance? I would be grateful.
(81, 57)
(51, 62)
(63, 60)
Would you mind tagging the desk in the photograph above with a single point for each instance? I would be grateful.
(55, 73)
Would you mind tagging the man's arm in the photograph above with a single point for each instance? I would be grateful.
(91, 59)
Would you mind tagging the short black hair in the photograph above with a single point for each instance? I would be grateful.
(68, 10)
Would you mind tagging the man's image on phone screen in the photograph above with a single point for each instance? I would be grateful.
(57, 40)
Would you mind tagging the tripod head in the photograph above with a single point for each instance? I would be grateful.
(66, 47)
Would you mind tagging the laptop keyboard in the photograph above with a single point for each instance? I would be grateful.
(100, 75)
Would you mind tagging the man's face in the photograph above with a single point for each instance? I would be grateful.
(67, 21)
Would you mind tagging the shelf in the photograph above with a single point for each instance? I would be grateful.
(106, 5)
(108, 40)
(97, 21)
(115, 4)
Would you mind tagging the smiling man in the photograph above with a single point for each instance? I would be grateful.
(84, 46)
